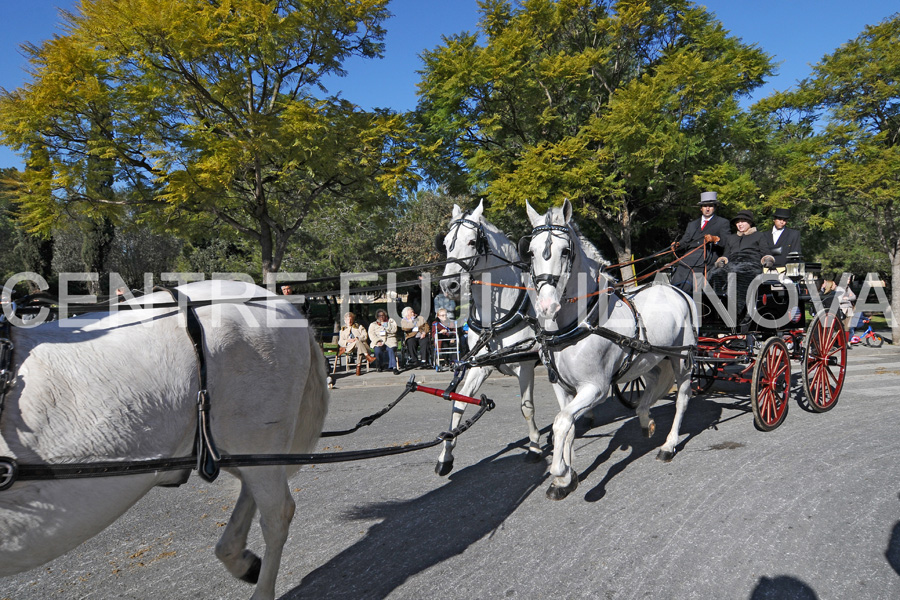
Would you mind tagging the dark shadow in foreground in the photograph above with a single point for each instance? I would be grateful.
(700, 415)
(893, 550)
(414, 535)
(782, 587)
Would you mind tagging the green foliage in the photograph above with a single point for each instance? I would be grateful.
(208, 111)
(627, 108)
(837, 148)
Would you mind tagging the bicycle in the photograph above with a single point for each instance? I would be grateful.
(871, 339)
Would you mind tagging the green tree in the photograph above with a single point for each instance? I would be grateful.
(627, 108)
(838, 133)
(210, 109)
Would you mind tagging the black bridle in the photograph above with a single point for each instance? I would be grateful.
(482, 248)
(568, 254)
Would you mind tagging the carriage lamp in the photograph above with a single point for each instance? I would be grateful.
(795, 268)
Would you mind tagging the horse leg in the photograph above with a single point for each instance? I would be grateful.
(270, 490)
(652, 379)
(231, 548)
(667, 451)
(526, 392)
(565, 479)
(474, 378)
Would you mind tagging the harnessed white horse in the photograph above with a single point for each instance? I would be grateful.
(125, 386)
(592, 338)
(497, 318)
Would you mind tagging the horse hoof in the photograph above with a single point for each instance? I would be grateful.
(555, 492)
(252, 574)
(665, 456)
(533, 456)
(650, 429)
(443, 468)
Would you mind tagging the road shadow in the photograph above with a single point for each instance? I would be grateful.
(782, 587)
(417, 534)
(893, 550)
(702, 414)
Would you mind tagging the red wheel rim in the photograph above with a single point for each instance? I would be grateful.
(826, 361)
(773, 385)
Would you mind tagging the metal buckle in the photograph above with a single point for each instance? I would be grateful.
(9, 470)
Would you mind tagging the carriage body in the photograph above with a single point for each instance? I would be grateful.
(763, 351)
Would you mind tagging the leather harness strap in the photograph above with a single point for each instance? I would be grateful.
(205, 451)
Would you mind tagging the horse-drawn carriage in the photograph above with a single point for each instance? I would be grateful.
(760, 348)
(547, 300)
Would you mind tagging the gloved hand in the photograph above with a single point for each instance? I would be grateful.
(768, 261)
(721, 262)
(675, 245)
(710, 238)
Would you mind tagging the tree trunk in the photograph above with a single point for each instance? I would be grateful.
(895, 295)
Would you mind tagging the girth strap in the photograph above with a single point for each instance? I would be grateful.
(207, 455)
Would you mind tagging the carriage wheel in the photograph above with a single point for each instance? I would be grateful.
(629, 394)
(825, 354)
(704, 376)
(770, 388)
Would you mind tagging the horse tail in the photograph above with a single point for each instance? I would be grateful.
(314, 401)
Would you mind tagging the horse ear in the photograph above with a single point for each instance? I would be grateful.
(479, 210)
(533, 215)
(439, 244)
(456, 212)
(525, 247)
(567, 210)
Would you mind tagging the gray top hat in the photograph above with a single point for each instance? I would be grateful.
(708, 198)
(782, 213)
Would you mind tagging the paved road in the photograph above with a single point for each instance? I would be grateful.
(810, 510)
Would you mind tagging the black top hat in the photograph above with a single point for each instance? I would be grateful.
(782, 213)
(708, 199)
(744, 215)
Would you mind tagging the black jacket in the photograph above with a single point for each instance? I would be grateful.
(693, 238)
(749, 247)
(789, 241)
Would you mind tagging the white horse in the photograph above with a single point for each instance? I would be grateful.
(124, 386)
(573, 299)
(484, 251)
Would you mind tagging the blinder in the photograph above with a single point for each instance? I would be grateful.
(524, 247)
(439, 244)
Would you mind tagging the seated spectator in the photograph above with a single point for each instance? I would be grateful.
(383, 336)
(443, 331)
(353, 337)
(416, 337)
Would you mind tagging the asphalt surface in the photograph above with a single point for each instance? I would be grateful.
(810, 510)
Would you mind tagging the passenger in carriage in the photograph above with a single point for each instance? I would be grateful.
(747, 251)
(710, 230)
(383, 335)
(353, 336)
(784, 239)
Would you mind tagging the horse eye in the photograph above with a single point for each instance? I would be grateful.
(472, 243)
(565, 252)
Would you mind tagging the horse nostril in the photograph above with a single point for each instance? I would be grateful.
(453, 286)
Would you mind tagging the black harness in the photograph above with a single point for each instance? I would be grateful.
(578, 330)
(205, 457)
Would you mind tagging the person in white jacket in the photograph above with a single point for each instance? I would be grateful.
(383, 337)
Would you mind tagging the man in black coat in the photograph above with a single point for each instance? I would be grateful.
(709, 229)
(784, 240)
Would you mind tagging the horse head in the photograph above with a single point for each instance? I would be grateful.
(464, 243)
(552, 252)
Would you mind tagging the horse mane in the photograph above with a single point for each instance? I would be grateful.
(505, 246)
(590, 250)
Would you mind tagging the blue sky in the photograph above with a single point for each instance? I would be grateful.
(798, 33)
